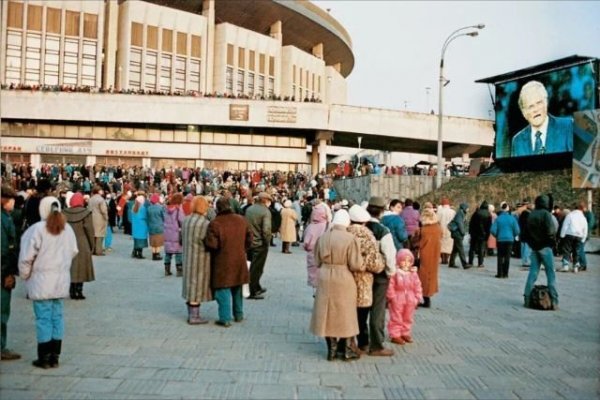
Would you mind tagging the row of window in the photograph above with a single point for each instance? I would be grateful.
(189, 135)
(307, 84)
(54, 16)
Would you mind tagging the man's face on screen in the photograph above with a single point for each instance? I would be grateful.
(535, 108)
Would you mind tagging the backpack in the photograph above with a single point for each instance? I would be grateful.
(540, 299)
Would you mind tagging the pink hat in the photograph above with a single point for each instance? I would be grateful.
(403, 254)
(155, 198)
(76, 200)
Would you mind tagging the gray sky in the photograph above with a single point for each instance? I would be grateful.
(397, 46)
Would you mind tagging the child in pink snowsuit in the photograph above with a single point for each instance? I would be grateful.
(404, 294)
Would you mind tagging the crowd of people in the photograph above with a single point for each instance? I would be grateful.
(218, 227)
(153, 92)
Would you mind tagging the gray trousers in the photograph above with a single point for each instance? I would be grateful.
(377, 317)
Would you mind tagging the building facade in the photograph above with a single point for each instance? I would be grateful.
(218, 83)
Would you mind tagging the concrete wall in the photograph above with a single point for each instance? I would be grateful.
(389, 187)
(292, 56)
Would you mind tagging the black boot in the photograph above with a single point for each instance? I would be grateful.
(72, 292)
(55, 348)
(79, 291)
(332, 344)
(138, 254)
(426, 302)
(168, 270)
(134, 253)
(179, 269)
(345, 352)
(43, 360)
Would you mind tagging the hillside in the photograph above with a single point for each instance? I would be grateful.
(512, 188)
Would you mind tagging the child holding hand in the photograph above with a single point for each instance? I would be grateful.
(404, 294)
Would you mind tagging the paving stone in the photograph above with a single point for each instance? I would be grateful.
(97, 385)
(130, 340)
(142, 386)
(443, 394)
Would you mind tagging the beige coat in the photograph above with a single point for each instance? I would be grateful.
(288, 225)
(337, 254)
(97, 206)
(445, 215)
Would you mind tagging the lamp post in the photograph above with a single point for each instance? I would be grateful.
(443, 82)
(359, 143)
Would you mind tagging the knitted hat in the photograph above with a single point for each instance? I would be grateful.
(403, 254)
(76, 200)
(155, 198)
(47, 205)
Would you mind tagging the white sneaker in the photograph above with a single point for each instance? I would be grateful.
(576, 268)
(565, 268)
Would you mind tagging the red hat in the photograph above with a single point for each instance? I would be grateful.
(155, 198)
(76, 200)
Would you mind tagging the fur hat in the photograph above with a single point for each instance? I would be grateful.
(47, 205)
(429, 217)
(358, 214)
(341, 218)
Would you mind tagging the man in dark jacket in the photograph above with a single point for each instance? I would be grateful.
(479, 229)
(259, 219)
(10, 269)
(541, 227)
(457, 231)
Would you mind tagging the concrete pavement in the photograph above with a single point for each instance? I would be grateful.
(130, 340)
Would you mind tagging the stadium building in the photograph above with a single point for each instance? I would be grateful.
(224, 84)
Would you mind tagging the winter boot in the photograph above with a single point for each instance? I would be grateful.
(426, 302)
(43, 360)
(134, 253)
(55, 348)
(179, 269)
(194, 315)
(156, 257)
(168, 270)
(72, 291)
(140, 255)
(332, 344)
(345, 352)
(79, 291)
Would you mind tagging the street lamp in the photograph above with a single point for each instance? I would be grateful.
(443, 82)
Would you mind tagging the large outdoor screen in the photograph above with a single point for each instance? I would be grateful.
(534, 115)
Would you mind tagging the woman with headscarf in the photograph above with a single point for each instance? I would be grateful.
(288, 227)
(174, 216)
(337, 254)
(228, 238)
(139, 226)
(156, 221)
(430, 246)
(47, 250)
(313, 232)
(196, 261)
(82, 267)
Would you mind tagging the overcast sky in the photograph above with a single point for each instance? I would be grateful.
(397, 46)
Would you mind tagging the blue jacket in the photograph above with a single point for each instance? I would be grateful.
(139, 223)
(505, 228)
(397, 227)
(559, 138)
(156, 219)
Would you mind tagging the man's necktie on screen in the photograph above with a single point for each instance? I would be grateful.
(538, 143)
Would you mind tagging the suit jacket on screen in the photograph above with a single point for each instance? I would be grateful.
(559, 138)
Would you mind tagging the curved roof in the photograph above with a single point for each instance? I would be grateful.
(304, 24)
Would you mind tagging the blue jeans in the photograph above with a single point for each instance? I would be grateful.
(108, 238)
(546, 258)
(582, 256)
(178, 258)
(525, 254)
(49, 319)
(224, 297)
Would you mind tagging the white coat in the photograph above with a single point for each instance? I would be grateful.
(45, 261)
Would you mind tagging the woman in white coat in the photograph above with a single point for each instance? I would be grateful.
(47, 249)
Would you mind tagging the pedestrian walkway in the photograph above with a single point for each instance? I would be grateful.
(130, 340)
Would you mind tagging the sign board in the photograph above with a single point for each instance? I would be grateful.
(239, 112)
(282, 114)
